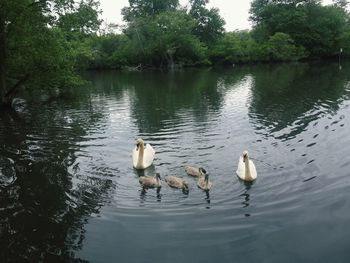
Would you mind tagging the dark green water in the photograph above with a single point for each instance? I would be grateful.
(68, 192)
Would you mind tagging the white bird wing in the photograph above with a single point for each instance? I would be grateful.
(148, 156)
(135, 156)
(252, 169)
(241, 168)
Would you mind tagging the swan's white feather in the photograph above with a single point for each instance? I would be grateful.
(148, 157)
(241, 170)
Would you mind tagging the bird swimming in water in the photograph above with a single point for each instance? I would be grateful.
(142, 155)
(246, 169)
(150, 181)
(176, 182)
(204, 183)
(195, 171)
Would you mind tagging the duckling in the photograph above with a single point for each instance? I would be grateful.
(150, 181)
(204, 183)
(194, 171)
(142, 156)
(246, 168)
(176, 182)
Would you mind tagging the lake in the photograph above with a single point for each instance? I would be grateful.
(69, 193)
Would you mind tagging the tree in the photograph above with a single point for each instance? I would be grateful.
(107, 51)
(310, 25)
(165, 39)
(281, 48)
(162, 33)
(341, 3)
(26, 26)
(143, 8)
(236, 47)
(209, 24)
(83, 18)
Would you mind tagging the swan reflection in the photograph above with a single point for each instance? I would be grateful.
(246, 194)
(143, 195)
(207, 198)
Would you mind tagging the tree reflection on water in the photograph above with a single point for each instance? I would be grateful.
(43, 211)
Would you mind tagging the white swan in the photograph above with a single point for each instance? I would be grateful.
(150, 181)
(142, 156)
(246, 168)
(204, 183)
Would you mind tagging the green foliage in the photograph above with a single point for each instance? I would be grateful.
(344, 43)
(110, 51)
(281, 48)
(162, 34)
(235, 47)
(315, 27)
(44, 43)
(39, 42)
(341, 3)
(165, 39)
(209, 24)
(49, 66)
(83, 19)
(144, 8)
(241, 47)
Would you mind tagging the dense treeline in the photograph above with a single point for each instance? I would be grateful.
(44, 42)
(164, 34)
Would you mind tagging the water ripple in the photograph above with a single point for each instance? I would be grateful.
(70, 167)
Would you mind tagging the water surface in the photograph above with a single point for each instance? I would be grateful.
(68, 191)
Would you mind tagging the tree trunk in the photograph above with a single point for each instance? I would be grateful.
(3, 100)
(169, 57)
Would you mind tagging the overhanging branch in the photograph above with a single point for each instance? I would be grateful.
(10, 94)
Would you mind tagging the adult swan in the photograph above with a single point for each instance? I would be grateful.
(142, 156)
(246, 168)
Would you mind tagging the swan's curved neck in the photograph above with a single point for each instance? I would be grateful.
(248, 176)
(141, 152)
